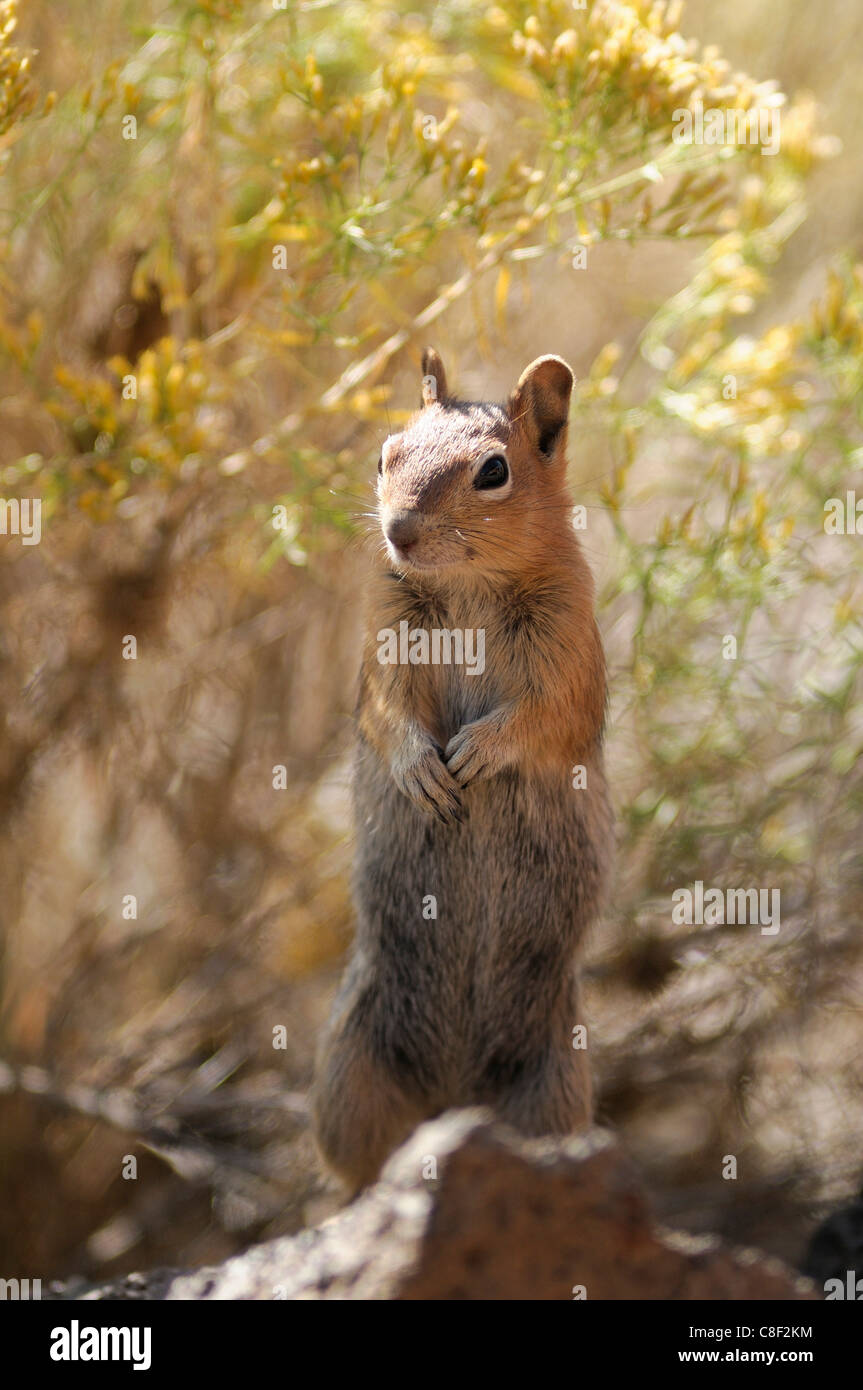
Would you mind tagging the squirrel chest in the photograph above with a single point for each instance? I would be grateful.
(459, 657)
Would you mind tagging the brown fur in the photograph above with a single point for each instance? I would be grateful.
(463, 789)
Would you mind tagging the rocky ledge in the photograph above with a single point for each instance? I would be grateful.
(468, 1210)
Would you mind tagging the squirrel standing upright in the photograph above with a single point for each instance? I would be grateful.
(483, 825)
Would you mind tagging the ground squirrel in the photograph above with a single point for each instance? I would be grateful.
(482, 818)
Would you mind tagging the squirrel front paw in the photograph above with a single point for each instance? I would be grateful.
(476, 751)
(421, 775)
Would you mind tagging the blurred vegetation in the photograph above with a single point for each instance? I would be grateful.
(227, 231)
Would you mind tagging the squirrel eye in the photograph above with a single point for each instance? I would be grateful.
(380, 466)
(494, 472)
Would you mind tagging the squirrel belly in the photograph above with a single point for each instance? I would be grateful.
(466, 1001)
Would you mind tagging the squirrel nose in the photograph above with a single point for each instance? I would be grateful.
(402, 529)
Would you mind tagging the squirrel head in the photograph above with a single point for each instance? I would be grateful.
(474, 485)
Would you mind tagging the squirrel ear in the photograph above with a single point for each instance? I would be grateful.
(541, 400)
(434, 378)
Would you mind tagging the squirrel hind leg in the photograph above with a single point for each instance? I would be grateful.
(359, 1116)
(557, 1099)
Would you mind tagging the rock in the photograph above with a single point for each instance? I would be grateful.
(836, 1247)
(468, 1210)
